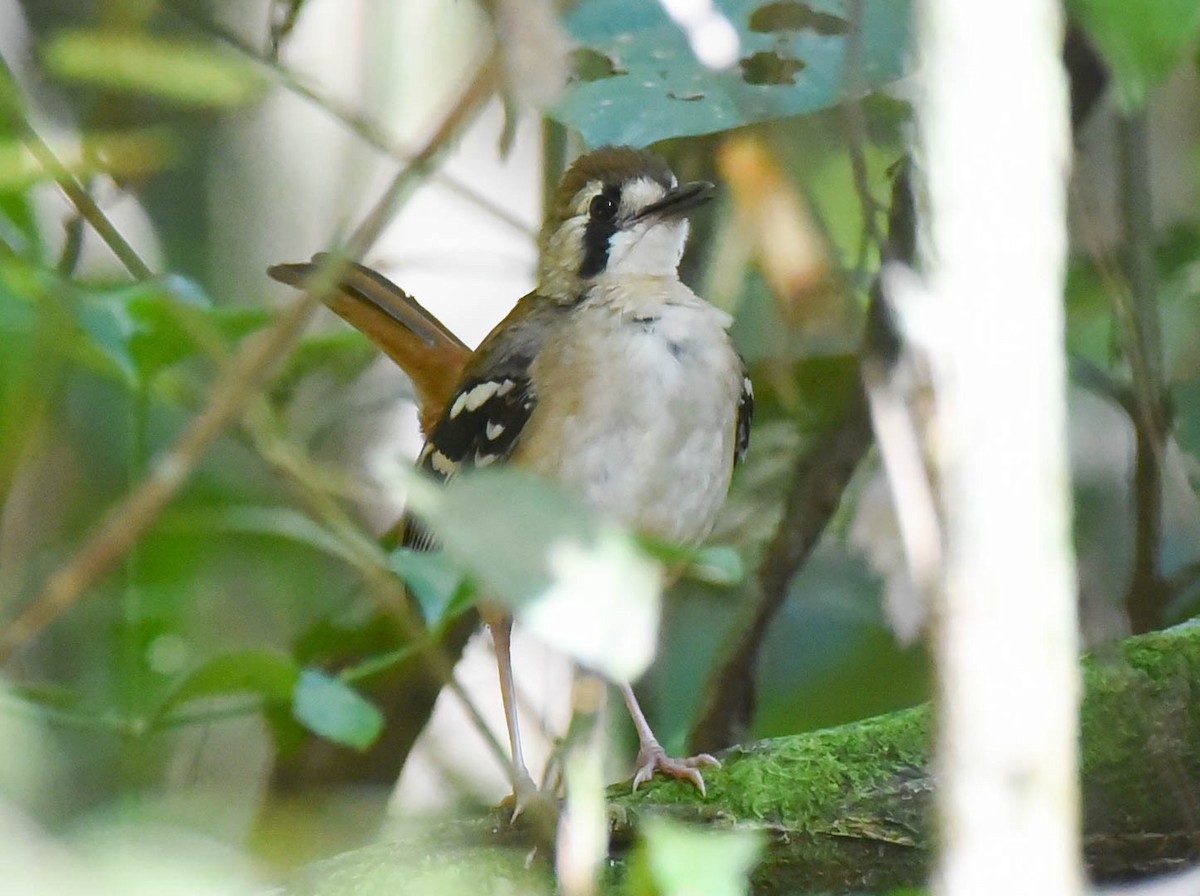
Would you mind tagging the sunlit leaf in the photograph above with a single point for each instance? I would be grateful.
(174, 70)
(580, 584)
(1143, 42)
(335, 711)
(638, 81)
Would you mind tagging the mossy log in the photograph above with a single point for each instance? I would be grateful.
(849, 809)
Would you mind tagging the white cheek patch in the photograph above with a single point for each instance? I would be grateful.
(648, 248)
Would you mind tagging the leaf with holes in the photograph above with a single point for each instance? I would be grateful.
(637, 81)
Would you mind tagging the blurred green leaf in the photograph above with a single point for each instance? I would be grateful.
(178, 71)
(335, 711)
(656, 88)
(580, 584)
(266, 673)
(250, 519)
(343, 354)
(1185, 398)
(714, 564)
(679, 860)
(1143, 42)
(18, 221)
(139, 328)
(128, 154)
(439, 586)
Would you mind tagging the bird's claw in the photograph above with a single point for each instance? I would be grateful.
(525, 792)
(652, 757)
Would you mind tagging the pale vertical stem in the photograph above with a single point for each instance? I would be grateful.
(993, 131)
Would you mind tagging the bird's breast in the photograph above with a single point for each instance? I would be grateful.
(636, 407)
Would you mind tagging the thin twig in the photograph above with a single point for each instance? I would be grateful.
(855, 124)
(129, 520)
(818, 480)
(1145, 598)
(70, 185)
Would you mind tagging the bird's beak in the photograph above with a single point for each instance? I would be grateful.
(679, 201)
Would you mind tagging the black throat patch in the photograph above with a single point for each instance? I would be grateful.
(596, 236)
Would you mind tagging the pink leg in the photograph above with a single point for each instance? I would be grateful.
(652, 757)
(501, 626)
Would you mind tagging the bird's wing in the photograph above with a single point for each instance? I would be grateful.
(484, 419)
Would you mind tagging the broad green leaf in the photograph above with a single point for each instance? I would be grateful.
(679, 860)
(580, 584)
(266, 673)
(335, 711)
(174, 70)
(638, 81)
(1142, 41)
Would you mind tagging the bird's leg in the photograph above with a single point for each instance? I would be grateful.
(523, 786)
(652, 757)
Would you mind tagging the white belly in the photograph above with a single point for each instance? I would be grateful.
(642, 419)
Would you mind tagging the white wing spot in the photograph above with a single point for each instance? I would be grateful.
(442, 464)
(473, 398)
(493, 431)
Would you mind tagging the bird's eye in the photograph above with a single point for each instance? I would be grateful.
(603, 208)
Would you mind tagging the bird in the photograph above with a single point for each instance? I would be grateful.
(611, 379)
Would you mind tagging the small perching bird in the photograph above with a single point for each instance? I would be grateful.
(612, 379)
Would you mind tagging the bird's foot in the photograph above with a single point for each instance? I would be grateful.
(653, 758)
(525, 794)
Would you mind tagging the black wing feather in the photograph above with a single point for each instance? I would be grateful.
(480, 427)
(745, 414)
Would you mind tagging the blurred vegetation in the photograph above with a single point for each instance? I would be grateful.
(167, 661)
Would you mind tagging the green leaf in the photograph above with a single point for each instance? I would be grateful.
(343, 354)
(578, 583)
(266, 673)
(139, 328)
(439, 586)
(252, 519)
(717, 564)
(678, 860)
(178, 71)
(335, 711)
(638, 81)
(714, 564)
(1143, 42)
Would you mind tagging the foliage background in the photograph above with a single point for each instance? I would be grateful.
(162, 697)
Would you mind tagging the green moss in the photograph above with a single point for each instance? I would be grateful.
(804, 781)
(1140, 730)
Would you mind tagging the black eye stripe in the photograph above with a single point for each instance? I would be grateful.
(600, 227)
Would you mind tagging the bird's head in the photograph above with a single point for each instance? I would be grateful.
(617, 211)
